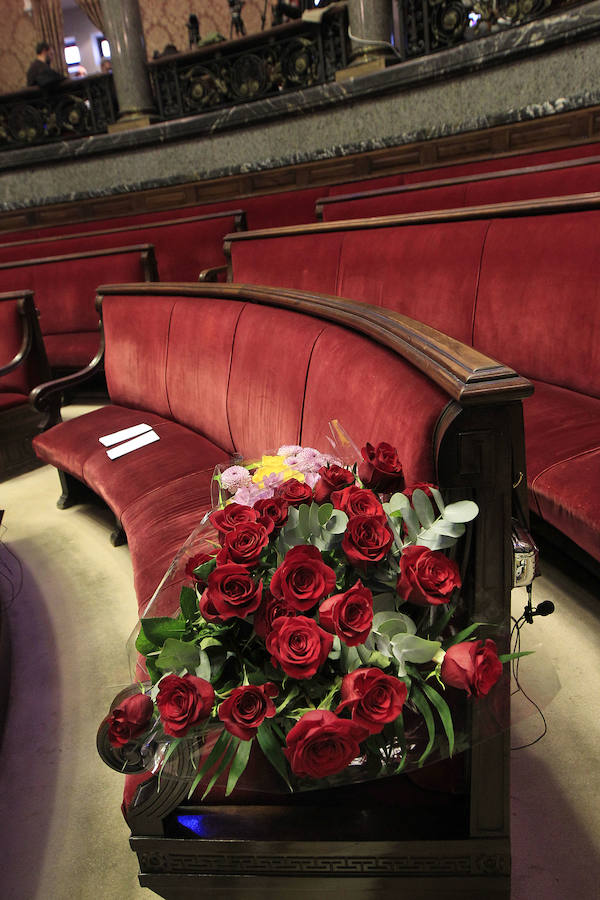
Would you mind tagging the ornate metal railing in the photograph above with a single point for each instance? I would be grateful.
(425, 26)
(286, 58)
(70, 109)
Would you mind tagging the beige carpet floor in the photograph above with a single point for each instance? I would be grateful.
(63, 837)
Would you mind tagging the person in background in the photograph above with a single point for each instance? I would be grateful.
(106, 67)
(40, 73)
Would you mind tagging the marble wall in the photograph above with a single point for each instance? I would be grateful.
(17, 45)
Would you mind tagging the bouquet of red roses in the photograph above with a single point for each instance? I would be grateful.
(323, 621)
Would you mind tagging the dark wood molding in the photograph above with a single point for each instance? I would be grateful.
(146, 250)
(547, 133)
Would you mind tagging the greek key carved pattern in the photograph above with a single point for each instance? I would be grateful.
(242, 863)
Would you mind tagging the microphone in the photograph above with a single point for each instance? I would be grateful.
(545, 608)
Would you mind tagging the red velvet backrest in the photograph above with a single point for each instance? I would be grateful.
(538, 306)
(201, 340)
(65, 288)
(375, 395)
(304, 261)
(428, 272)
(552, 183)
(137, 341)
(270, 361)
(396, 203)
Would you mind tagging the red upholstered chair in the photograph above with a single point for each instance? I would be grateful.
(23, 365)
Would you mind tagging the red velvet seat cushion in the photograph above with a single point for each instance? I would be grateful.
(8, 400)
(69, 445)
(157, 525)
(559, 424)
(567, 497)
(73, 349)
(178, 452)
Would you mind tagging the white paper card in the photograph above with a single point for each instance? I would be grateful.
(123, 435)
(147, 438)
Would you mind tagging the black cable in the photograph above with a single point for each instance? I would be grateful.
(515, 642)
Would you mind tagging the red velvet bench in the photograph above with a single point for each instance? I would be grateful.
(182, 246)
(23, 365)
(222, 369)
(517, 281)
(64, 288)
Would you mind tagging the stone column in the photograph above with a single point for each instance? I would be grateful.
(369, 20)
(123, 29)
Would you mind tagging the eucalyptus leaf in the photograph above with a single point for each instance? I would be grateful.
(336, 648)
(423, 508)
(438, 498)
(303, 519)
(433, 540)
(313, 519)
(177, 655)
(325, 512)
(203, 667)
(337, 522)
(391, 622)
(461, 511)
(384, 602)
(410, 648)
(398, 502)
(452, 529)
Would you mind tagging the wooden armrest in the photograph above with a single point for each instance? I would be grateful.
(46, 398)
(32, 342)
(212, 274)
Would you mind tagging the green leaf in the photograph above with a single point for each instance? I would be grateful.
(337, 522)
(216, 753)
(410, 648)
(240, 761)
(223, 763)
(271, 748)
(325, 511)
(159, 629)
(463, 635)
(143, 645)
(397, 503)
(461, 511)
(438, 498)
(313, 519)
(506, 657)
(444, 713)
(423, 508)
(177, 655)
(437, 628)
(391, 622)
(423, 706)
(303, 519)
(189, 603)
(202, 572)
(170, 750)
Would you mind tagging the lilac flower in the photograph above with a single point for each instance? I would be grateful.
(288, 450)
(311, 478)
(235, 477)
(247, 496)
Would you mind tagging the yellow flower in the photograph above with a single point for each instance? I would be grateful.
(271, 465)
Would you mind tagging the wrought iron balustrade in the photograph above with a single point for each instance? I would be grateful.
(286, 58)
(426, 26)
(69, 109)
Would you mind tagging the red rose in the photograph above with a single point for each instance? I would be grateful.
(183, 703)
(231, 593)
(246, 708)
(298, 645)
(366, 540)
(424, 486)
(373, 697)
(356, 501)
(349, 615)
(381, 469)
(427, 577)
(294, 492)
(472, 666)
(270, 609)
(234, 514)
(275, 508)
(244, 544)
(320, 744)
(129, 720)
(333, 478)
(302, 579)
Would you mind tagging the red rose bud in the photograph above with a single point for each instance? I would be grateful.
(244, 544)
(246, 708)
(320, 744)
(231, 593)
(424, 486)
(183, 703)
(366, 540)
(333, 478)
(234, 514)
(294, 492)
(381, 469)
(427, 577)
(298, 645)
(356, 501)
(373, 698)
(130, 719)
(271, 608)
(349, 615)
(275, 508)
(472, 666)
(302, 579)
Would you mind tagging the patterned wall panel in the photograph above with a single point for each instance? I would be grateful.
(165, 21)
(17, 46)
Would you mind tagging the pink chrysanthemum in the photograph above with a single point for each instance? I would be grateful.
(235, 477)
